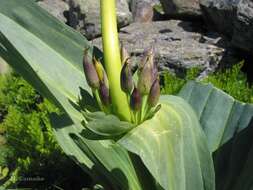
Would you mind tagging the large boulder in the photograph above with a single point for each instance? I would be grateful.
(142, 10)
(243, 26)
(220, 14)
(179, 45)
(84, 15)
(182, 8)
(56, 7)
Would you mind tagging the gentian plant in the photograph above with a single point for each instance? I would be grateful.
(115, 124)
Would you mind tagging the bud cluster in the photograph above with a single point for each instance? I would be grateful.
(144, 92)
(96, 78)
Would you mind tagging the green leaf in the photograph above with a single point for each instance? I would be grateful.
(4, 171)
(220, 115)
(228, 125)
(173, 147)
(109, 163)
(106, 125)
(48, 54)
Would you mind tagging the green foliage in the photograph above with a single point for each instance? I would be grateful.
(27, 128)
(173, 84)
(31, 149)
(233, 81)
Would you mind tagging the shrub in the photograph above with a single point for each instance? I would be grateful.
(31, 149)
(233, 81)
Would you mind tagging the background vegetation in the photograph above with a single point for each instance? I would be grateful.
(28, 146)
(233, 81)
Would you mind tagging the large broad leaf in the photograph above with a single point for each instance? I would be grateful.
(49, 55)
(228, 125)
(173, 147)
(220, 115)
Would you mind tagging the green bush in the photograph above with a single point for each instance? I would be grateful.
(173, 84)
(31, 149)
(233, 81)
(26, 125)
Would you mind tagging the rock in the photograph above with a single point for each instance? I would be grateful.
(181, 8)
(178, 44)
(56, 8)
(220, 14)
(142, 10)
(84, 15)
(243, 26)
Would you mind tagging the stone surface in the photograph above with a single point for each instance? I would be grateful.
(56, 8)
(143, 12)
(220, 14)
(243, 26)
(182, 8)
(84, 15)
(178, 44)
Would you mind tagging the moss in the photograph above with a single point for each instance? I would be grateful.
(173, 84)
(233, 81)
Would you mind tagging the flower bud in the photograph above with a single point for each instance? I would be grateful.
(124, 54)
(135, 100)
(101, 72)
(147, 58)
(154, 93)
(90, 71)
(146, 72)
(145, 79)
(104, 94)
(155, 71)
(126, 79)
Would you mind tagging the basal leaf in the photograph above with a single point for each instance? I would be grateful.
(173, 147)
(228, 125)
(49, 54)
(220, 115)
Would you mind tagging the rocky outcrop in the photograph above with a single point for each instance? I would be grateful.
(243, 26)
(178, 44)
(84, 15)
(220, 14)
(56, 7)
(142, 10)
(234, 18)
(182, 8)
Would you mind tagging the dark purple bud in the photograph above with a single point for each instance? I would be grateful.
(90, 71)
(126, 79)
(154, 93)
(135, 100)
(104, 94)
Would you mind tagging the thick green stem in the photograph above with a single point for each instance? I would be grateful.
(112, 58)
